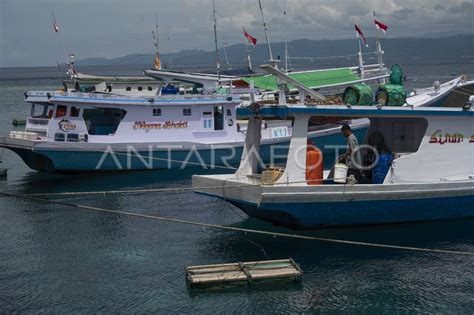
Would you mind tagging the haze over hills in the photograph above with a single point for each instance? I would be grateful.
(320, 50)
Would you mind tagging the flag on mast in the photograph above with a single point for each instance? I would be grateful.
(359, 34)
(252, 40)
(379, 25)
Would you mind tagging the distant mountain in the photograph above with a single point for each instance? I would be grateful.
(304, 50)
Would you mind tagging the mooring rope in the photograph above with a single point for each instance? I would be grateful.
(164, 190)
(244, 230)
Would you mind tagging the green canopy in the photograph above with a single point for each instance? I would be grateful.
(310, 79)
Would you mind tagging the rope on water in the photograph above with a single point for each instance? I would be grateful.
(236, 229)
(164, 190)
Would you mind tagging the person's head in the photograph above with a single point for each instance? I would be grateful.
(346, 130)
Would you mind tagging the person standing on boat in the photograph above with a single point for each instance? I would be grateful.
(352, 156)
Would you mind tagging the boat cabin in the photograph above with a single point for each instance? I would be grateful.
(402, 145)
(82, 117)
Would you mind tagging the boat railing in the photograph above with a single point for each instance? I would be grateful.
(51, 94)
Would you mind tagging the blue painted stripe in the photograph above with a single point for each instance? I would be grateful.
(137, 101)
(369, 111)
(326, 214)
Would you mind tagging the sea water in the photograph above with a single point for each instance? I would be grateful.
(59, 259)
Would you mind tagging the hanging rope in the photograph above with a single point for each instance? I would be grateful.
(243, 230)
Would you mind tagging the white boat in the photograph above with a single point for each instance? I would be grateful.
(70, 132)
(437, 95)
(426, 173)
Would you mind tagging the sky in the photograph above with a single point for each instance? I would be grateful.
(114, 28)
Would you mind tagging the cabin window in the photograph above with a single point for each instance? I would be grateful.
(187, 112)
(207, 123)
(156, 111)
(42, 110)
(74, 111)
(128, 89)
(218, 117)
(61, 111)
(103, 121)
(72, 137)
(59, 136)
(150, 88)
(229, 112)
(207, 113)
(140, 88)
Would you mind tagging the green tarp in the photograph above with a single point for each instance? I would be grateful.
(310, 79)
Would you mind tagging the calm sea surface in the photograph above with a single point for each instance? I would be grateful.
(57, 259)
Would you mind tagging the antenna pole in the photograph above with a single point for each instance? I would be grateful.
(272, 61)
(249, 61)
(225, 45)
(379, 51)
(56, 29)
(361, 60)
(286, 37)
(218, 64)
(156, 42)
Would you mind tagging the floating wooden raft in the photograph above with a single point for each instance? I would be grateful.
(242, 272)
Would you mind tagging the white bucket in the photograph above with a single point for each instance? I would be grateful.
(340, 173)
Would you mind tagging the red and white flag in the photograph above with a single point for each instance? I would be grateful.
(252, 40)
(381, 26)
(359, 34)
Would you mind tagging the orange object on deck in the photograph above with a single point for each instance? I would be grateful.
(314, 165)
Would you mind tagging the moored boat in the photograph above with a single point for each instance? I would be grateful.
(70, 132)
(429, 174)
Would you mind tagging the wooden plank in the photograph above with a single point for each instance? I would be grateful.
(248, 263)
(221, 277)
(214, 265)
(214, 269)
(261, 274)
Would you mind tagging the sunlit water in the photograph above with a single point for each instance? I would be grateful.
(60, 259)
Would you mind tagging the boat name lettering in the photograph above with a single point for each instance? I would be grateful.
(441, 138)
(279, 132)
(158, 125)
(65, 125)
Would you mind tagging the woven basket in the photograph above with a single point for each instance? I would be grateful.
(271, 175)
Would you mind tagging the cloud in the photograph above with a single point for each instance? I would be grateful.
(465, 8)
(111, 28)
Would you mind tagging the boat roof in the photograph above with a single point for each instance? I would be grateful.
(126, 79)
(284, 111)
(310, 79)
(110, 99)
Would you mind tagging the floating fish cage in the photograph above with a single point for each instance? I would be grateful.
(242, 273)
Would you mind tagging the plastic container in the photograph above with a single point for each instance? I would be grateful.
(169, 90)
(380, 170)
(340, 173)
(314, 166)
